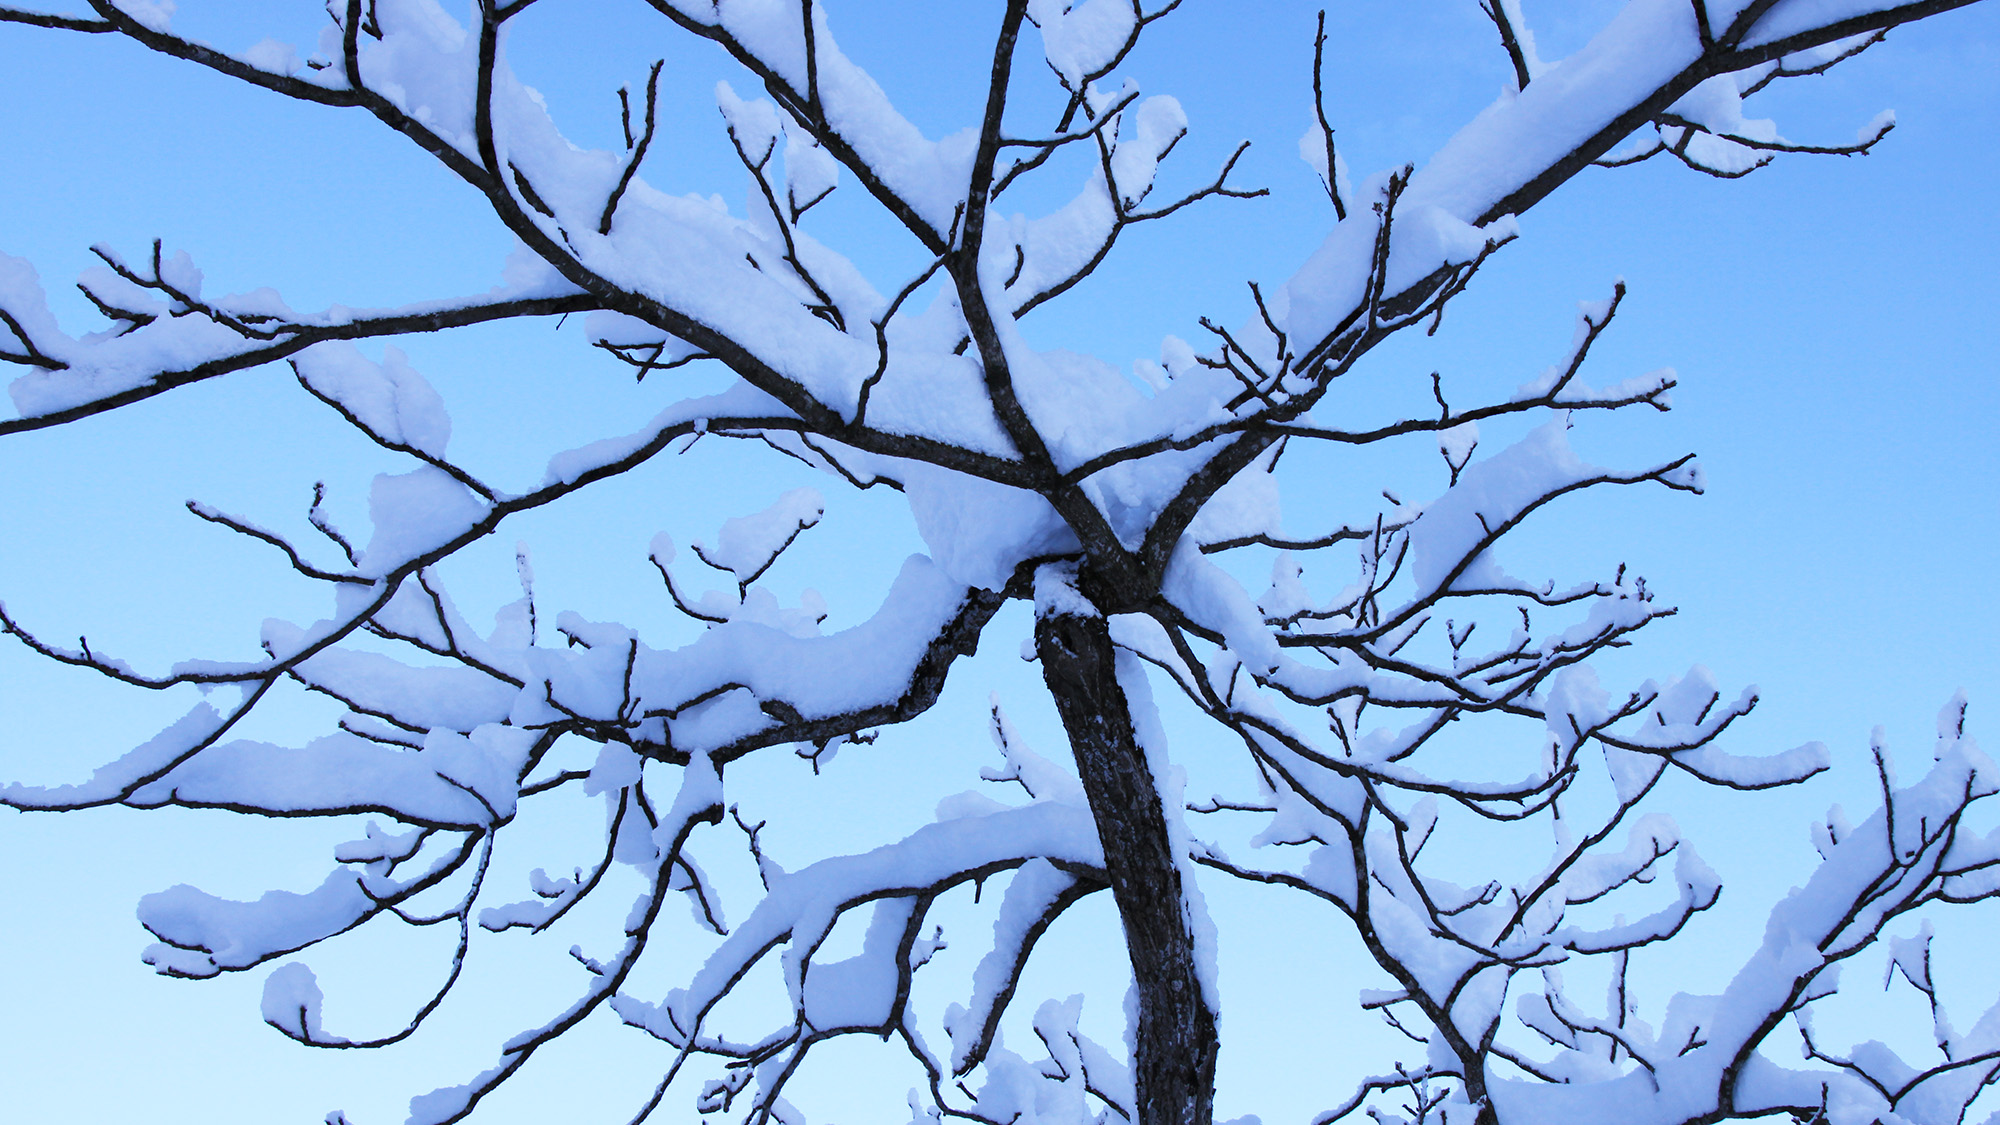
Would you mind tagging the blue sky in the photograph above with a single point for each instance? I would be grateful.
(1830, 320)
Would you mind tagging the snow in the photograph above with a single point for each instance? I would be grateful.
(1795, 764)
(1517, 136)
(342, 773)
(98, 367)
(143, 763)
(272, 55)
(1490, 494)
(416, 513)
(1698, 887)
(1056, 594)
(202, 935)
(155, 15)
(1159, 124)
(1032, 894)
(804, 904)
(978, 531)
(1912, 957)
(1248, 505)
(1808, 933)
(389, 398)
(859, 992)
(930, 175)
(754, 125)
(378, 849)
(1312, 150)
(1041, 778)
(1170, 781)
(810, 170)
(1525, 36)
(1206, 593)
(452, 698)
(423, 64)
(1081, 39)
(1650, 837)
(488, 764)
(291, 1003)
(1877, 125)
(1791, 19)
(748, 544)
(552, 896)
(740, 400)
(1717, 105)
(1458, 442)
(749, 659)
(935, 393)
(445, 1103)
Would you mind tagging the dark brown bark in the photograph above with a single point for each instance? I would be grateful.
(1174, 1071)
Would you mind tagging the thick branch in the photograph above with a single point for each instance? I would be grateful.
(1175, 1068)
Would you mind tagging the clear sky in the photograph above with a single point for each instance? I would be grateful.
(1831, 320)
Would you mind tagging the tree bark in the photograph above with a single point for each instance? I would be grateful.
(1174, 1067)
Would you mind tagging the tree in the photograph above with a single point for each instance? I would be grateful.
(1040, 476)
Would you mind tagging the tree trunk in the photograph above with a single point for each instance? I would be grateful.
(1174, 1071)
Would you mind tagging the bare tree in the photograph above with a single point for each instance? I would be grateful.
(1036, 476)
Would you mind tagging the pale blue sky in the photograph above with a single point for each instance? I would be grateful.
(1831, 320)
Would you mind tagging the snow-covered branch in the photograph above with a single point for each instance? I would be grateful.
(1125, 510)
